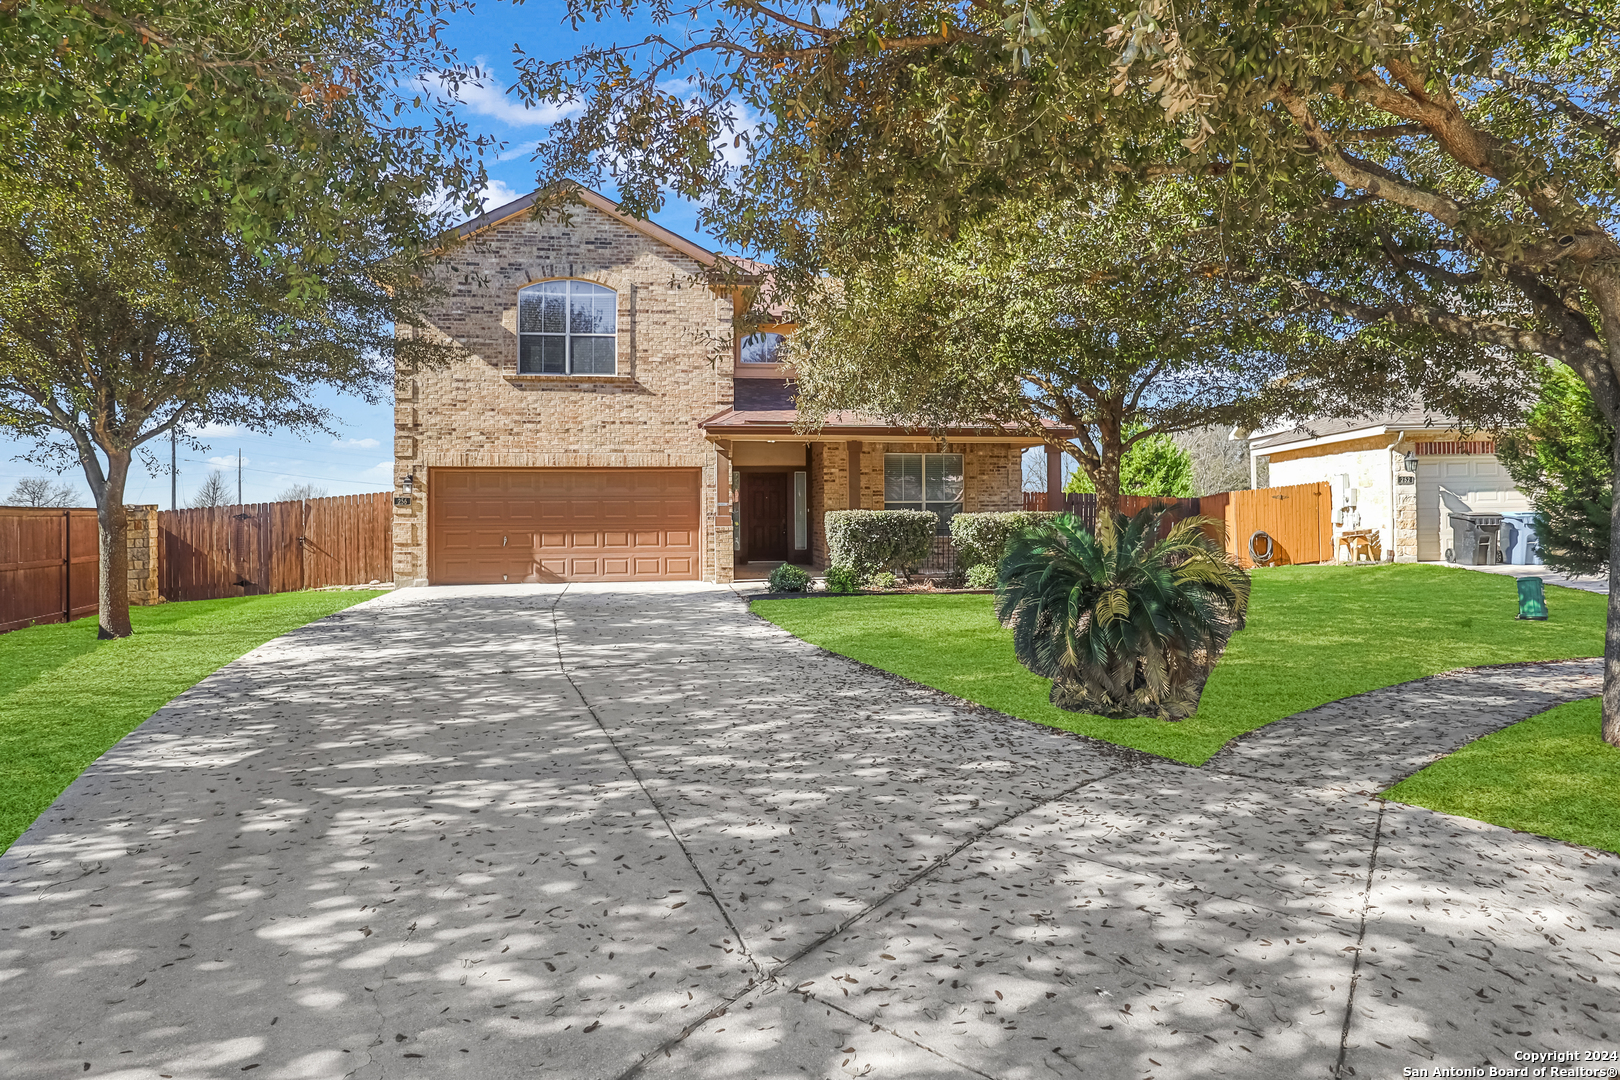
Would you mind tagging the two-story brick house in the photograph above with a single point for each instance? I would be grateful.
(608, 426)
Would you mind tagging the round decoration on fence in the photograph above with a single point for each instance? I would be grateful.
(1261, 548)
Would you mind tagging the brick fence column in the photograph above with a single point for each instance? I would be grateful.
(143, 555)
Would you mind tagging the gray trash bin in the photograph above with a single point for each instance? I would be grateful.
(1476, 539)
(1519, 544)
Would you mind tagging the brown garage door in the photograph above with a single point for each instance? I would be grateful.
(493, 525)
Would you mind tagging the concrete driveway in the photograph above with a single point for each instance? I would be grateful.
(602, 832)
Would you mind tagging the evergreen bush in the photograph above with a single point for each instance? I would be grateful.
(842, 579)
(982, 576)
(789, 578)
(867, 541)
(982, 539)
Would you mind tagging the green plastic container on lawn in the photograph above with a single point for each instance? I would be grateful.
(1532, 601)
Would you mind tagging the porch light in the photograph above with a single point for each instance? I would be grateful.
(1409, 461)
(410, 481)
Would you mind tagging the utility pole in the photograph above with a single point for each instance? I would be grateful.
(174, 472)
(238, 476)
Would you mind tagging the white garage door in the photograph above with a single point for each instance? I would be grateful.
(1459, 485)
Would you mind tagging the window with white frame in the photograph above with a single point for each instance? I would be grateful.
(568, 328)
(924, 482)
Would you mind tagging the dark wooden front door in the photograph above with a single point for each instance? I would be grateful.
(767, 513)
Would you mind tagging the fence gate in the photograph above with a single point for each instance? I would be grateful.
(50, 565)
(1297, 518)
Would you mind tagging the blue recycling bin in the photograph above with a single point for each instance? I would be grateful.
(1519, 545)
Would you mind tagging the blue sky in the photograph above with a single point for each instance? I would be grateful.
(359, 457)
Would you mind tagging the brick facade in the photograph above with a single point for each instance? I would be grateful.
(674, 371)
(481, 412)
(993, 480)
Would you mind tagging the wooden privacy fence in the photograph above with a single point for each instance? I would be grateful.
(50, 566)
(1084, 505)
(275, 547)
(1298, 519)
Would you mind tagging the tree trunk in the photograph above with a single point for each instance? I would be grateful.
(113, 522)
(1611, 637)
(1107, 479)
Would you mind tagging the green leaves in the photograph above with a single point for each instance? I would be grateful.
(1123, 623)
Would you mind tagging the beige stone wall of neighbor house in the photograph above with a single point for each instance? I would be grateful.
(481, 412)
(994, 480)
(1372, 470)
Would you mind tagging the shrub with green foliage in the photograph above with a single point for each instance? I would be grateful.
(982, 576)
(1123, 624)
(1560, 459)
(882, 580)
(1156, 465)
(871, 540)
(789, 578)
(842, 579)
(982, 538)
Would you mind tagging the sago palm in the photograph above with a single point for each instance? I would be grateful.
(1122, 622)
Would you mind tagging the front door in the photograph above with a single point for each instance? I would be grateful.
(767, 514)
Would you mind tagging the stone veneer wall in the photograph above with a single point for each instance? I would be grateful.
(481, 412)
(143, 555)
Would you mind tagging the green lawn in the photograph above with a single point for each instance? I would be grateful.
(1551, 774)
(1315, 634)
(66, 697)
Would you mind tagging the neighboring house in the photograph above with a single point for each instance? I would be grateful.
(1407, 474)
(608, 426)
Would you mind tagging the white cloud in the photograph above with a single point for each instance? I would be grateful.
(211, 431)
(359, 444)
(228, 462)
(383, 468)
(520, 150)
(496, 194)
(489, 98)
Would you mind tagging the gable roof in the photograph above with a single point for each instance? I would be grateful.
(491, 218)
(1331, 430)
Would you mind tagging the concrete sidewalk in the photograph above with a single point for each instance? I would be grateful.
(603, 832)
(1547, 576)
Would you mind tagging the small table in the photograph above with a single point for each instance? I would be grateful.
(1358, 542)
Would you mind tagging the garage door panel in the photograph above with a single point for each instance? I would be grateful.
(563, 524)
(1445, 487)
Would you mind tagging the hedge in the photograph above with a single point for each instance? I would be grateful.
(868, 541)
(982, 538)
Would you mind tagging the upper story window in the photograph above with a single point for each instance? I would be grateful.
(568, 328)
(924, 482)
(761, 348)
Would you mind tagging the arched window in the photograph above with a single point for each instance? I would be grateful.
(567, 328)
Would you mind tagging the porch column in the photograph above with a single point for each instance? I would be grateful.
(1054, 478)
(854, 447)
(724, 554)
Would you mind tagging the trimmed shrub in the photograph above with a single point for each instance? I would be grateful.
(982, 576)
(789, 578)
(871, 540)
(982, 539)
(882, 580)
(842, 579)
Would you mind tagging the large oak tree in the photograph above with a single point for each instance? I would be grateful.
(1465, 152)
(208, 211)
